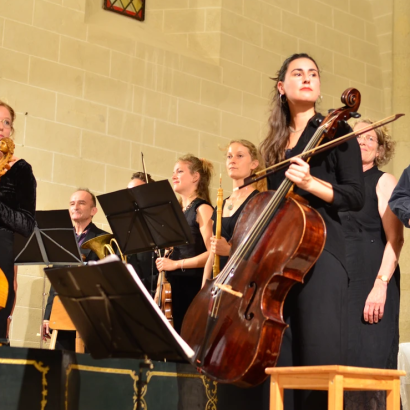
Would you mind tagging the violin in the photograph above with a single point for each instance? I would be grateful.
(165, 293)
(235, 324)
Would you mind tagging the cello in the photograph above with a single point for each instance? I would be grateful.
(235, 324)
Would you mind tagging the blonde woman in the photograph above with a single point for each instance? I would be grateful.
(242, 159)
(184, 268)
(374, 238)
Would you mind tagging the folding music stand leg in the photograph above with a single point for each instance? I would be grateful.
(53, 339)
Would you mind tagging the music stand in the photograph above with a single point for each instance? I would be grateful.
(146, 217)
(114, 313)
(52, 242)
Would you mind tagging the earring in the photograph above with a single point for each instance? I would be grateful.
(282, 98)
(320, 98)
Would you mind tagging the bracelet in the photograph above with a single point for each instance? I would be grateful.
(182, 265)
(10, 317)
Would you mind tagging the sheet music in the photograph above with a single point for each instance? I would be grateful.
(184, 345)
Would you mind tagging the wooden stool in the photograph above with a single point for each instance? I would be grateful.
(59, 320)
(335, 379)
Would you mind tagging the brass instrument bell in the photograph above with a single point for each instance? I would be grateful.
(102, 246)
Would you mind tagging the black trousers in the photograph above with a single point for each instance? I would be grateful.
(316, 313)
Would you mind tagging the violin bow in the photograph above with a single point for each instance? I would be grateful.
(320, 148)
(143, 167)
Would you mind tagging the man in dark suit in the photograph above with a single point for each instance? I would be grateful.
(82, 209)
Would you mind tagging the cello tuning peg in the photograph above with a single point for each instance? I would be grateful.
(354, 114)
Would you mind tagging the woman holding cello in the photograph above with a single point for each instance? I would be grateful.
(316, 311)
(242, 159)
(184, 268)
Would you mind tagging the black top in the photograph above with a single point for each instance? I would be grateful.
(18, 199)
(341, 166)
(228, 224)
(400, 199)
(194, 249)
(368, 218)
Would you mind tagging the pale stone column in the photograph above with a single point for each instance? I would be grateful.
(401, 133)
(401, 83)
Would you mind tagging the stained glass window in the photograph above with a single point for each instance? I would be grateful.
(132, 8)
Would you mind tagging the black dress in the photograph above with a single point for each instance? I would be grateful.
(369, 345)
(317, 310)
(187, 283)
(17, 214)
(228, 224)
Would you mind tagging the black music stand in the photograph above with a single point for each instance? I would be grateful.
(146, 217)
(114, 313)
(52, 242)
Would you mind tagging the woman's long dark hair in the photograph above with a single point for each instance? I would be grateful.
(273, 147)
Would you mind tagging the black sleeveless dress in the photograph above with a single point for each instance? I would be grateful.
(17, 208)
(228, 224)
(375, 345)
(187, 283)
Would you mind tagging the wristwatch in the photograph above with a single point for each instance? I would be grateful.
(383, 278)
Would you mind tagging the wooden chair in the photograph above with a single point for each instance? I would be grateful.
(335, 379)
(59, 320)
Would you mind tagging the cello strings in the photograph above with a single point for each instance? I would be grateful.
(257, 228)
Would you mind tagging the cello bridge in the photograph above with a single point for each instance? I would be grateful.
(228, 289)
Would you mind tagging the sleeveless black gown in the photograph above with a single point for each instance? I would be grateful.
(228, 224)
(187, 283)
(375, 345)
(17, 209)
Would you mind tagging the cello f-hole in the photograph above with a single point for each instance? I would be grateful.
(249, 315)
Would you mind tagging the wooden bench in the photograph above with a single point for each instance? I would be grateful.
(335, 379)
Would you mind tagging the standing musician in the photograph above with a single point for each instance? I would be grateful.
(17, 212)
(374, 238)
(184, 269)
(83, 206)
(144, 262)
(332, 181)
(242, 159)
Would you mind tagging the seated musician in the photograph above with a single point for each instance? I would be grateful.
(144, 262)
(82, 209)
(242, 159)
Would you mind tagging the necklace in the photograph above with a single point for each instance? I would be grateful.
(230, 206)
(188, 206)
(292, 130)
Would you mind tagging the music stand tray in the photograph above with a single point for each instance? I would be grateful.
(146, 217)
(114, 313)
(52, 242)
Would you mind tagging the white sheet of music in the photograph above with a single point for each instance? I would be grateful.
(184, 345)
